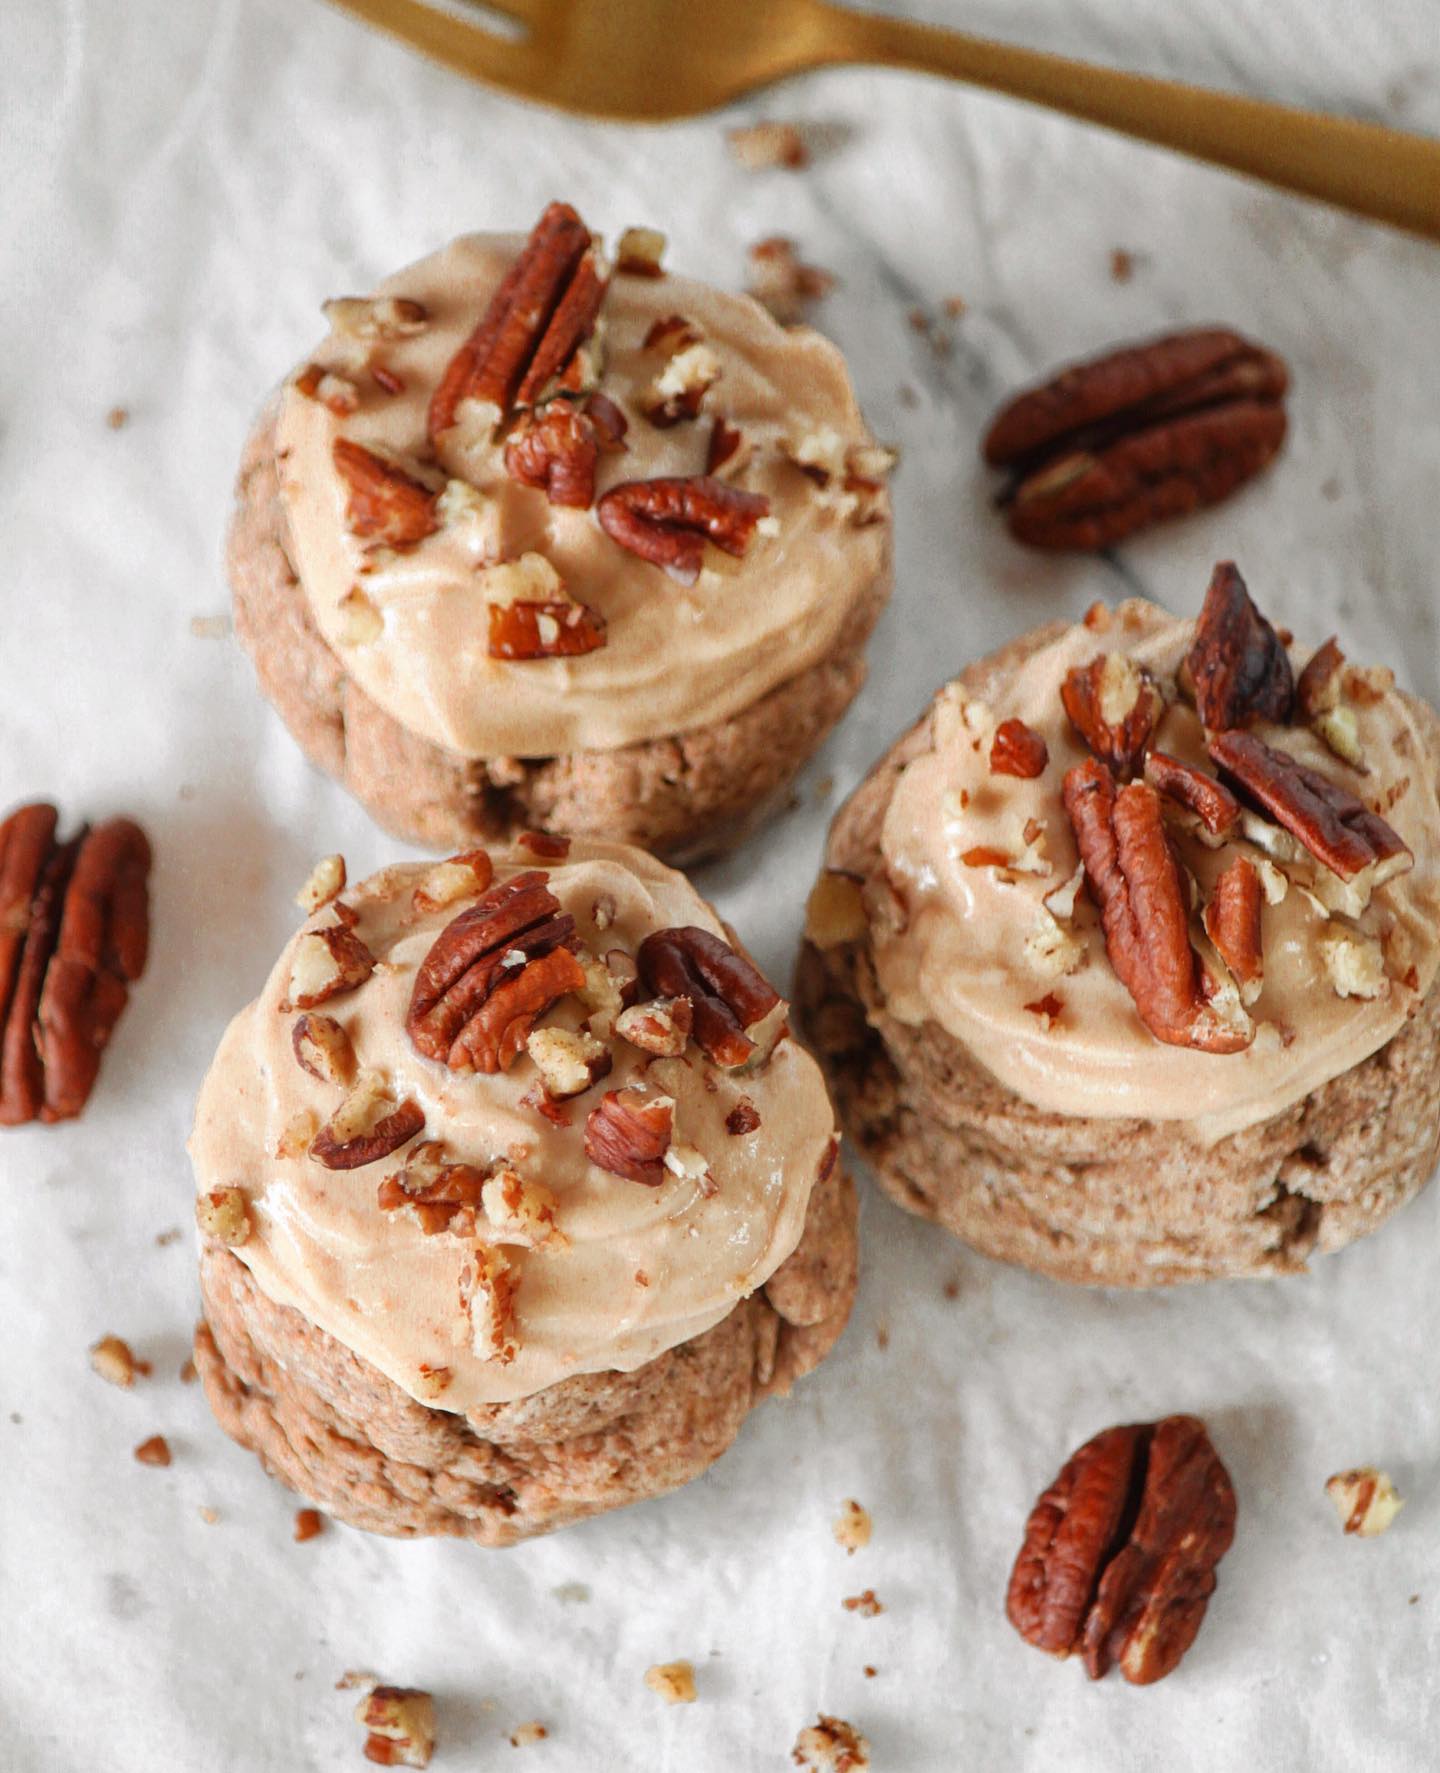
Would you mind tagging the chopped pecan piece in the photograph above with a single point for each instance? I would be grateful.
(629, 1133)
(639, 252)
(661, 1026)
(490, 974)
(1120, 1552)
(387, 507)
(376, 320)
(1211, 802)
(550, 845)
(1124, 440)
(668, 522)
(781, 282)
(488, 1284)
(322, 1047)
(733, 1005)
(1319, 698)
(556, 630)
(326, 963)
(759, 146)
(401, 1722)
(1338, 829)
(1365, 1500)
(326, 881)
(725, 440)
(852, 1526)
(682, 385)
(1232, 922)
(1237, 666)
(1115, 705)
(461, 877)
(368, 1125)
(1134, 878)
(444, 1193)
(155, 1451)
(555, 449)
(830, 1745)
(543, 311)
(569, 1060)
(673, 1681)
(521, 1212)
(742, 1119)
(1018, 750)
(114, 1360)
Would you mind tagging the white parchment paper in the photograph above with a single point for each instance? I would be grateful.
(180, 186)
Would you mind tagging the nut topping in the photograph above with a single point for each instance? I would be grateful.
(1237, 666)
(521, 1212)
(661, 1026)
(1115, 705)
(543, 311)
(1018, 750)
(1211, 802)
(490, 975)
(322, 1047)
(556, 447)
(223, 1215)
(327, 962)
(733, 1004)
(1339, 830)
(444, 1194)
(488, 1284)
(1134, 878)
(629, 1133)
(569, 1060)
(378, 320)
(367, 1126)
(639, 252)
(326, 882)
(1365, 1499)
(782, 282)
(830, 1745)
(1320, 699)
(461, 877)
(556, 630)
(1120, 1552)
(1148, 432)
(668, 521)
(1232, 922)
(387, 507)
(673, 1681)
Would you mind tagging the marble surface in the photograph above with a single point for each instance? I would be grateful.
(182, 186)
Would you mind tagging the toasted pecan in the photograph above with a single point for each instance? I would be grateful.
(1237, 665)
(1211, 802)
(1134, 878)
(731, 1001)
(1115, 706)
(669, 521)
(387, 507)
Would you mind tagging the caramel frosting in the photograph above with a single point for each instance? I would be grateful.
(675, 658)
(629, 1271)
(1028, 988)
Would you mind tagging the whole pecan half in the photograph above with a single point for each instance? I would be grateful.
(1134, 878)
(543, 311)
(1338, 829)
(1146, 432)
(525, 630)
(628, 1134)
(730, 1000)
(1018, 750)
(1232, 922)
(490, 974)
(74, 935)
(387, 507)
(1211, 802)
(1115, 706)
(1120, 1552)
(1237, 666)
(668, 522)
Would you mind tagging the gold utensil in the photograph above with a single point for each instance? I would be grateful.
(647, 60)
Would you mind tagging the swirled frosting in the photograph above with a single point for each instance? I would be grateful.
(636, 1269)
(961, 944)
(675, 658)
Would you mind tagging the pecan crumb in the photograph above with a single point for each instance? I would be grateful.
(743, 1118)
(524, 1734)
(639, 253)
(222, 1214)
(865, 1604)
(851, 1527)
(1365, 1500)
(830, 1745)
(1122, 265)
(188, 1373)
(155, 1451)
(780, 282)
(673, 1681)
(118, 418)
(760, 146)
(308, 1524)
(401, 1722)
(115, 1362)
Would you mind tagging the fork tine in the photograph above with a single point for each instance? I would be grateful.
(469, 49)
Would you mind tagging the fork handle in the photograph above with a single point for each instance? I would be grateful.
(1386, 174)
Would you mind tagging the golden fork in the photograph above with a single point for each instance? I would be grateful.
(647, 60)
